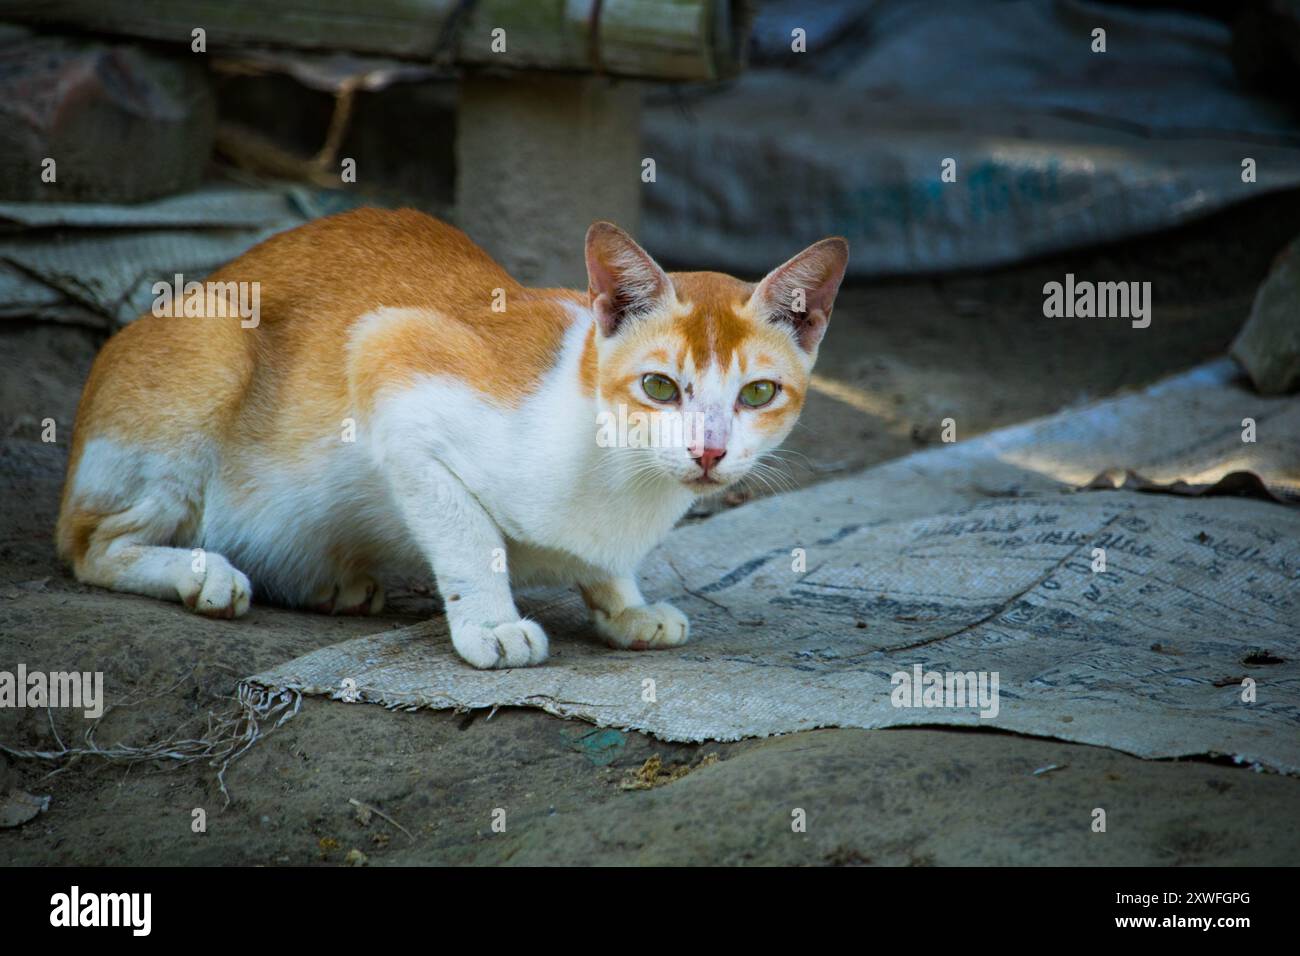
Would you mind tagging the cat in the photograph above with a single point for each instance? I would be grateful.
(401, 405)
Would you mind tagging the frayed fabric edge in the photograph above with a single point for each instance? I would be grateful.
(253, 712)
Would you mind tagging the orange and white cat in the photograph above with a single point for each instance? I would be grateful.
(402, 405)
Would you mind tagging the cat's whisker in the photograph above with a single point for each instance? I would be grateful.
(778, 478)
(773, 478)
(635, 473)
(775, 456)
(779, 453)
(767, 484)
(777, 459)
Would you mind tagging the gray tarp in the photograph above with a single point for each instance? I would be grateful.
(969, 557)
(95, 264)
(1056, 147)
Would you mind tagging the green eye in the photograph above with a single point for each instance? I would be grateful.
(659, 387)
(758, 394)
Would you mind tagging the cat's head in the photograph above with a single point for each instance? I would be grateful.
(698, 374)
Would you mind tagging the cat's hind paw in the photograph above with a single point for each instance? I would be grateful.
(360, 596)
(519, 643)
(643, 628)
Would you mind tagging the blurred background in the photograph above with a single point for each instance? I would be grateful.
(970, 152)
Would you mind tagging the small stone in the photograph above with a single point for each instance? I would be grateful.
(19, 806)
(1268, 345)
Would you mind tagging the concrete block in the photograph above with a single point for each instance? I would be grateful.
(539, 157)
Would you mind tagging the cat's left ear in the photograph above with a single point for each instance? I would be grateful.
(622, 280)
(800, 293)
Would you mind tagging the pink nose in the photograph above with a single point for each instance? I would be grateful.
(709, 457)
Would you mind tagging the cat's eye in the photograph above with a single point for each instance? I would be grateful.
(659, 387)
(758, 394)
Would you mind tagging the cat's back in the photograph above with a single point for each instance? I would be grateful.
(326, 285)
(283, 373)
(342, 267)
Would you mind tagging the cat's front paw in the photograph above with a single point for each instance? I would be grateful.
(220, 590)
(643, 628)
(514, 644)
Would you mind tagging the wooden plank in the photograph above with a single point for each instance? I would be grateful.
(655, 39)
(393, 27)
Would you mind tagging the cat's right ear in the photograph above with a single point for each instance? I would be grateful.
(623, 281)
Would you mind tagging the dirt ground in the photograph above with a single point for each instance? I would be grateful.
(901, 356)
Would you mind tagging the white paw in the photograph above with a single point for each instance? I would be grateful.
(219, 590)
(644, 627)
(515, 644)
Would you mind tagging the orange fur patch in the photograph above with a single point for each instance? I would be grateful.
(711, 326)
(589, 369)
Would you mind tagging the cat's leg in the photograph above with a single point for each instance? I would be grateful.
(119, 555)
(124, 510)
(622, 617)
(466, 551)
